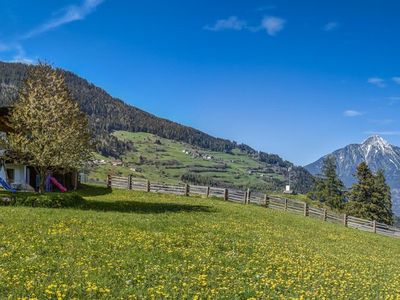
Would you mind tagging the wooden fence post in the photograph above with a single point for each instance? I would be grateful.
(109, 182)
(266, 199)
(245, 197)
(208, 192)
(130, 181)
(286, 204)
(148, 186)
(325, 214)
(226, 194)
(374, 226)
(305, 209)
(345, 220)
(248, 194)
(187, 190)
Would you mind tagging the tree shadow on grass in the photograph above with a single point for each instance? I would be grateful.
(93, 190)
(144, 207)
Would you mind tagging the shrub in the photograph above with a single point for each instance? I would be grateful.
(195, 178)
(51, 200)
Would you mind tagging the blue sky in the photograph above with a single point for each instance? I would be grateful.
(296, 78)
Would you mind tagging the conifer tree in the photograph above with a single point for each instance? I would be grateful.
(370, 197)
(50, 132)
(329, 189)
(383, 199)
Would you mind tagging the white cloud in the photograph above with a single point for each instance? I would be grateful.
(396, 80)
(330, 26)
(379, 82)
(352, 113)
(67, 15)
(16, 51)
(70, 14)
(231, 23)
(21, 57)
(383, 132)
(273, 25)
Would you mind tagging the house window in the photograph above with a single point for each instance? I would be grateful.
(10, 175)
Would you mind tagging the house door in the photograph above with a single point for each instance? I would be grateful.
(31, 178)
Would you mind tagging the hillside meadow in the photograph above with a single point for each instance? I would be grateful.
(132, 245)
(164, 160)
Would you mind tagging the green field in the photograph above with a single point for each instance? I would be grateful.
(132, 245)
(163, 160)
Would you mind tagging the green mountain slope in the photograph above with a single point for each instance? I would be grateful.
(107, 115)
(163, 160)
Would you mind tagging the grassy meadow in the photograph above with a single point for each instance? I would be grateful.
(133, 245)
(162, 160)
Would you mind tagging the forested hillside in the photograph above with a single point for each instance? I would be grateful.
(107, 114)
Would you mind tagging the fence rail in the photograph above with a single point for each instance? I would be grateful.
(250, 197)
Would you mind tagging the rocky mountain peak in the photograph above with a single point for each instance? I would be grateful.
(377, 153)
(376, 145)
(376, 141)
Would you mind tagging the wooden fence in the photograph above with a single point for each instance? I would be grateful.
(250, 197)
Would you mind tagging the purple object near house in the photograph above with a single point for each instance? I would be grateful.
(49, 186)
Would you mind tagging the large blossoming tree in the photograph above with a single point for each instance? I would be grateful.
(50, 133)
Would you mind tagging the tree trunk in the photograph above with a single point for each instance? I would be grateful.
(42, 180)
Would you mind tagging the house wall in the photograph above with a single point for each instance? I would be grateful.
(25, 178)
(19, 173)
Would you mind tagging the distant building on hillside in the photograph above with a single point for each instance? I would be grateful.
(116, 163)
(288, 190)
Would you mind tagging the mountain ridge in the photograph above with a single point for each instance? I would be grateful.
(377, 153)
(108, 114)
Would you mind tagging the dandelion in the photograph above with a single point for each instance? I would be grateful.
(221, 252)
